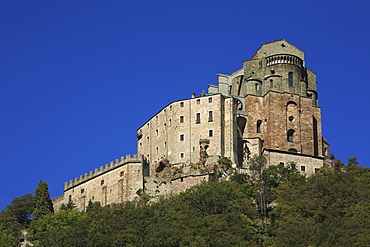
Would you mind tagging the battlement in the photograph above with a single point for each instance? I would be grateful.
(101, 170)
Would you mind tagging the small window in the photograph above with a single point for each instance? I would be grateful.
(181, 104)
(156, 118)
(210, 116)
(182, 179)
(198, 118)
(156, 150)
(281, 163)
(181, 119)
(164, 127)
(198, 101)
(121, 173)
(147, 139)
(290, 134)
(156, 132)
(102, 182)
(182, 137)
(210, 133)
(165, 144)
(272, 72)
(82, 191)
(259, 122)
(257, 87)
(291, 118)
(271, 83)
(170, 107)
(182, 155)
(290, 79)
(210, 100)
(303, 168)
(170, 122)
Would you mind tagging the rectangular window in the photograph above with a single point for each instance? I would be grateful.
(181, 119)
(181, 104)
(210, 116)
(198, 101)
(210, 133)
(182, 137)
(198, 118)
(210, 100)
(182, 155)
(303, 168)
(290, 79)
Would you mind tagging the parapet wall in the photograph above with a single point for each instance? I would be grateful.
(103, 169)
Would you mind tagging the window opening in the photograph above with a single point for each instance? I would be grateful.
(182, 137)
(210, 133)
(198, 118)
(182, 155)
(181, 119)
(303, 168)
(259, 122)
(210, 116)
(290, 79)
(181, 104)
(290, 135)
(271, 82)
(210, 100)
(198, 101)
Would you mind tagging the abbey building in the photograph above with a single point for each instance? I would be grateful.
(269, 107)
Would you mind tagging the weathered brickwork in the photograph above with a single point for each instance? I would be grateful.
(269, 107)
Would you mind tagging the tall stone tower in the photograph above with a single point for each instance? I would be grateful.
(277, 108)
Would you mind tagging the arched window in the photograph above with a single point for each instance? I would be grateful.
(259, 122)
(293, 150)
(290, 79)
(290, 134)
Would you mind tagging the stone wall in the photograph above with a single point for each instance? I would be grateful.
(305, 164)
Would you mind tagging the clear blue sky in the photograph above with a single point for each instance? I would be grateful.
(77, 78)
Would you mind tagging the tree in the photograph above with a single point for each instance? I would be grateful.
(22, 207)
(9, 229)
(43, 204)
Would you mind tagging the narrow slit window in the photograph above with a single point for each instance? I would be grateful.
(259, 122)
(290, 79)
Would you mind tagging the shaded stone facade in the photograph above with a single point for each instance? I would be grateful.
(269, 107)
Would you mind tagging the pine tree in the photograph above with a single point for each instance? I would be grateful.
(43, 204)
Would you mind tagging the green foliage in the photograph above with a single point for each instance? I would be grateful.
(9, 229)
(330, 208)
(225, 161)
(22, 207)
(210, 214)
(43, 204)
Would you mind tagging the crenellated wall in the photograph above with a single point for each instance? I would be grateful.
(102, 169)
